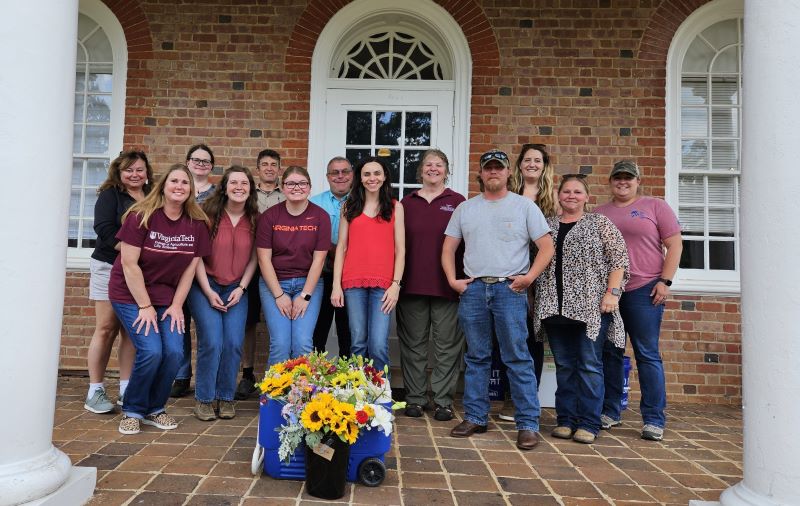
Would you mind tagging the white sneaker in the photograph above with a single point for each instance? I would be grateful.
(606, 422)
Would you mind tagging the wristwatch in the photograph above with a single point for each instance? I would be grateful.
(617, 292)
(305, 296)
(666, 281)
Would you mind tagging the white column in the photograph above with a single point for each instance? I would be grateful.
(37, 82)
(769, 250)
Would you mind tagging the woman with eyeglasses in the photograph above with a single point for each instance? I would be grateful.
(128, 182)
(162, 240)
(292, 240)
(200, 161)
(653, 236)
(533, 178)
(576, 305)
(427, 301)
(217, 297)
(370, 259)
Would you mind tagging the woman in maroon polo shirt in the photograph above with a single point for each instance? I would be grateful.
(427, 301)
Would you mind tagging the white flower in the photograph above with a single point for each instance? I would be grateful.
(382, 419)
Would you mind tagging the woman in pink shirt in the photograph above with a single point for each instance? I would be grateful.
(217, 296)
(653, 237)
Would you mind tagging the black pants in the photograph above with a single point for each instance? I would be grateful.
(327, 313)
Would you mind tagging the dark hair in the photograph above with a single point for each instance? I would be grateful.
(268, 153)
(354, 205)
(204, 148)
(215, 205)
(122, 162)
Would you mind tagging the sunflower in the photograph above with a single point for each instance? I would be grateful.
(310, 417)
(351, 432)
(340, 380)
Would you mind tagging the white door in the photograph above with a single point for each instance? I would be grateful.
(359, 123)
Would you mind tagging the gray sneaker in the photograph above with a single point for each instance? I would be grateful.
(606, 422)
(120, 400)
(99, 403)
(652, 432)
(204, 411)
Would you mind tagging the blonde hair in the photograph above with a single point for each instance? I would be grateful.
(433, 152)
(544, 196)
(155, 199)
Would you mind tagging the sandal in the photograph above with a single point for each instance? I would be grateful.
(444, 413)
(413, 410)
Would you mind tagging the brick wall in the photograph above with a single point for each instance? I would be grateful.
(585, 77)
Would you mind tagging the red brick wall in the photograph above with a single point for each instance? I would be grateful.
(585, 77)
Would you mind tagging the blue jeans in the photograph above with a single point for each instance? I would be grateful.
(219, 342)
(289, 338)
(484, 307)
(157, 358)
(185, 368)
(579, 373)
(642, 322)
(369, 326)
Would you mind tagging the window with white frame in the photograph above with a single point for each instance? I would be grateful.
(706, 160)
(97, 121)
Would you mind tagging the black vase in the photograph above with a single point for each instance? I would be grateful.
(325, 478)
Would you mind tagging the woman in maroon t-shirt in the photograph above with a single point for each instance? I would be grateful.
(162, 239)
(292, 240)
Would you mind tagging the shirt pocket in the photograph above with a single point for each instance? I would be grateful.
(510, 229)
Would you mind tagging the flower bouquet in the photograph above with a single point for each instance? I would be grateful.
(329, 404)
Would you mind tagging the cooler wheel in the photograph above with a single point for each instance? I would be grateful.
(371, 472)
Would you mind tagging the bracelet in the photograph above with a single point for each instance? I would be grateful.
(244, 288)
(145, 307)
(281, 295)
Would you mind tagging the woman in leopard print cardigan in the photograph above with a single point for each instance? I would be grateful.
(577, 307)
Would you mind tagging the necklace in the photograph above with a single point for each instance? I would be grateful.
(203, 188)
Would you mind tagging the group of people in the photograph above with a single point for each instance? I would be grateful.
(520, 263)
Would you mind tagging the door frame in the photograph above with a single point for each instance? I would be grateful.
(347, 20)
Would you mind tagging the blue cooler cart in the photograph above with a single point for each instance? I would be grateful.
(366, 464)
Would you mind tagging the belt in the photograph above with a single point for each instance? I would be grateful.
(490, 280)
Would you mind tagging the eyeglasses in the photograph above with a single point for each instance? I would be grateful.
(297, 184)
(343, 172)
(494, 154)
(200, 161)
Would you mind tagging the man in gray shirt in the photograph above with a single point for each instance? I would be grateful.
(497, 227)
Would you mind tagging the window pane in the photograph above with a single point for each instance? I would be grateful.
(99, 109)
(98, 47)
(96, 139)
(418, 129)
(721, 190)
(692, 221)
(694, 154)
(725, 155)
(692, 255)
(727, 61)
(694, 121)
(412, 160)
(724, 122)
(74, 202)
(393, 161)
(690, 190)
(100, 79)
(721, 255)
(77, 138)
(721, 222)
(722, 34)
(354, 155)
(77, 172)
(88, 202)
(85, 26)
(78, 116)
(387, 128)
(698, 57)
(725, 90)
(96, 172)
(359, 127)
(694, 91)
(72, 234)
(80, 80)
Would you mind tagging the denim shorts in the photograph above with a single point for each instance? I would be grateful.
(99, 274)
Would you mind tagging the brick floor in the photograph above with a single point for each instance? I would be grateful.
(208, 463)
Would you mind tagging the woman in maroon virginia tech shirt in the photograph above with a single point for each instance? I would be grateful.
(162, 239)
(426, 299)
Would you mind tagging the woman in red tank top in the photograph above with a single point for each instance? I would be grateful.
(370, 258)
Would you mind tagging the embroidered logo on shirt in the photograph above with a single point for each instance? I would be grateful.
(638, 214)
(448, 208)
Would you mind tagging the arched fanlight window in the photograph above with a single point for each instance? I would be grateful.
(390, 55)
